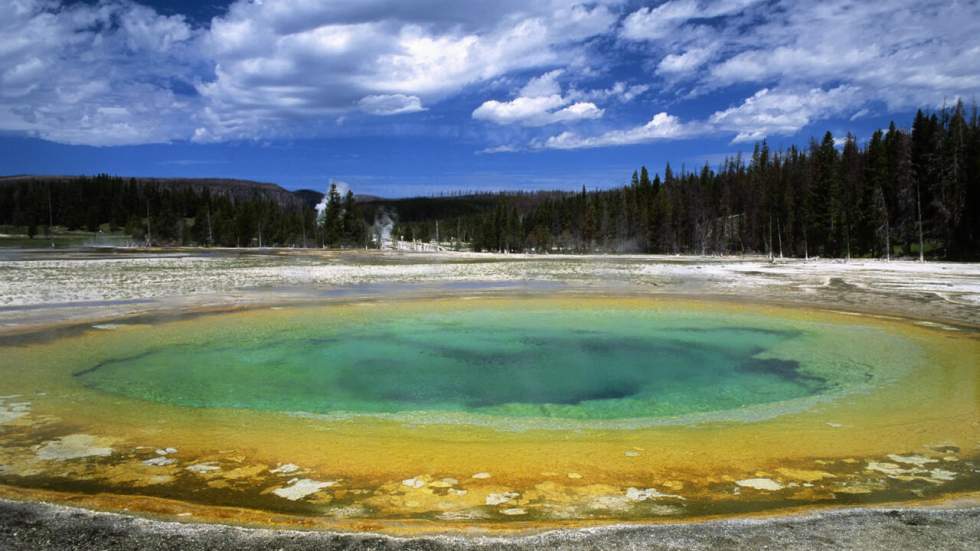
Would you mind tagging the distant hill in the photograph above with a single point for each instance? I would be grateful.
(311, 197)
(226, 187)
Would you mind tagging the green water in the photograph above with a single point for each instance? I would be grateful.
(566, 363)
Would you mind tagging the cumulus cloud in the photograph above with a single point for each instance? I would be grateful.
(661, 127)
(538, 111)
(540, 103)
(544, 85)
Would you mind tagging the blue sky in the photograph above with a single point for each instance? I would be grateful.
(403, 98)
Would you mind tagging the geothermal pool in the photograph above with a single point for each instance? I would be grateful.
(545, 362)
(496, 412)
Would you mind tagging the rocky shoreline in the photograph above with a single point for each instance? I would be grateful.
(42, 526)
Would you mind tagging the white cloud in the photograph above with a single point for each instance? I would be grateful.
(117, 72)
(654, 23)
(686, 62)
(813, 61)
(265, 69)
(498, 149)
(544, 85)
(783, 112)
(765, 113)
(661, 127)
(540, 103)
(296, 58)
(537, 111)
(390, 104)
(651, 23)
(796, 62)
(578, 111)
(619, 91)
(100, 74)
(904, 53)
(859, 114)
(146, 30)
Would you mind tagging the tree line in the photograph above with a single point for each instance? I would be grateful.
(174, 212)
(910, 192)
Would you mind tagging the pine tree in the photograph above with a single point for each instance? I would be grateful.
(350, 221)
(925, 144)
(826, 204)
(952, 184)
(332, 222)
(851, 178)
(662, 234)
(906, 198)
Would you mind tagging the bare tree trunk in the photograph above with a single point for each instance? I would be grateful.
(806, 246)
(769, 244)
(888, 241)
(149, 233)
(918, 208)
(50, 217)
(779, 234)
(210, 232)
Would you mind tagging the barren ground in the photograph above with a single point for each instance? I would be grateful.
(40, 287)
(31, 526)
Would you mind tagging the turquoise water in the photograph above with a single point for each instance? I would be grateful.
(565, 363)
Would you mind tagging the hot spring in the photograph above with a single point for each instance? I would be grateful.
(491, 410)
(548, 362)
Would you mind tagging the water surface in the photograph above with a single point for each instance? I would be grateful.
(567, 363)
